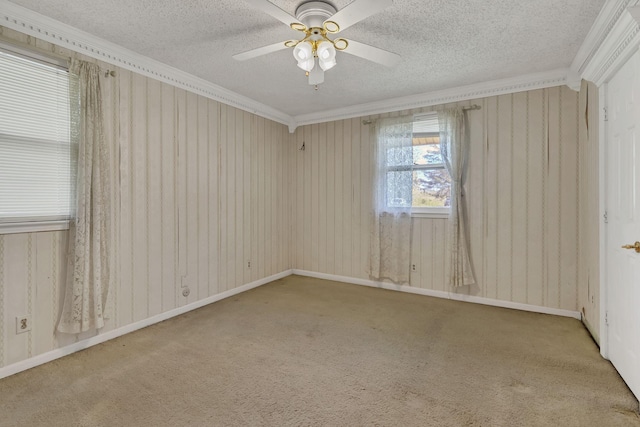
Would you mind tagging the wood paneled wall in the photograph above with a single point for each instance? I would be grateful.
(522, 193)
(202, 190)
(589, 248)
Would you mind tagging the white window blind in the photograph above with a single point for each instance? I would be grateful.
(36, 167)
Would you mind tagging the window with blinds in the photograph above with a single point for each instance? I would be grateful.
(36, 167)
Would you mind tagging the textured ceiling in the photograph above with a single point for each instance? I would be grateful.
(443, 44)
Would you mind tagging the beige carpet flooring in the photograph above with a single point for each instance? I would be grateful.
(308, 352)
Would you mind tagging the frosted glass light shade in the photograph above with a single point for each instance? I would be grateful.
(302, 52)
(327, 65)
(307, 65)
(326, 56)
(304, 55)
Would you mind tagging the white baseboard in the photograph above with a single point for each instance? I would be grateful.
(442, 294)
(109, 335)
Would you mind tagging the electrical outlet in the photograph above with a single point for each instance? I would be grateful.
(414, 268)
(186, 291)
(249, 265)
(23, 324)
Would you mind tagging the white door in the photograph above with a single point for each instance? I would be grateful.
(623, 212)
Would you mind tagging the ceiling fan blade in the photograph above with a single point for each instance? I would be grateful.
(273, 10)
(372, 54)
(253, 53)
(357, 11)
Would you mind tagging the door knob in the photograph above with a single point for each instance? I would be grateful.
(635, 246)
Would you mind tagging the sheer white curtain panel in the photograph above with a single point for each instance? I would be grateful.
(390, 253)
(454, 147)
(89, 275)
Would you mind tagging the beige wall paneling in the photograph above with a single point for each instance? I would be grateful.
(168, 192)
(262, 197)
(365, 194)
(314, 217)
(519, 189)
(321, 185)
(192, 196)
(272, 199)
(18, 291)
(307, 197)
(213, 195)
(357, 268)
(42, 307)
(571, 188)
(238, 198)
(154, 197)
(338, 198)
(200, 189)
(491, 211)
(330, 204)
(222, 201)
(522, 195)
(282, 196)
(347, 197)
(125, 289)
(554, 203)
(181, 182)
(504, 214)
(267, 254)
(589, 272)
(246, 197)
(536, 157)
(230, 197)
(254, 207)
(139, 202)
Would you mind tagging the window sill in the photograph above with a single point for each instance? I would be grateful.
(433, 215)
(432, 212)
(33, 226)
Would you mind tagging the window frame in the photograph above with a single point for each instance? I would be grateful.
(431, 211)
(35, 224)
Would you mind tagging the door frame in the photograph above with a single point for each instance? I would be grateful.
(602, 209)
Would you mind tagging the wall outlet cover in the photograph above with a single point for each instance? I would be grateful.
(23, 324)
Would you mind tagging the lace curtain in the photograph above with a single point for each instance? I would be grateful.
(87, 286)
(390, 255)
(454, 147)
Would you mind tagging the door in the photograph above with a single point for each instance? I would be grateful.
(622, 147)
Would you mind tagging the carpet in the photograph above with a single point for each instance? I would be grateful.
(303, 351)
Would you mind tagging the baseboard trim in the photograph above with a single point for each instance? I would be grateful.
(442, 294)
(115, 333)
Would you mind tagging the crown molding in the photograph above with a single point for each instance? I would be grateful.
(34, 24)
(481, 90)
(613, 38)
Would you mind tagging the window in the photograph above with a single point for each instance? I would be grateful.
(36, 167)
(431, 181)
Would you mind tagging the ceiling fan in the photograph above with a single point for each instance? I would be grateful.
(315, 53)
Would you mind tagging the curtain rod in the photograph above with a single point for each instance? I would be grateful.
(471, 107)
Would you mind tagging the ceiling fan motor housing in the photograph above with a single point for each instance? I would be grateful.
(314, 13)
